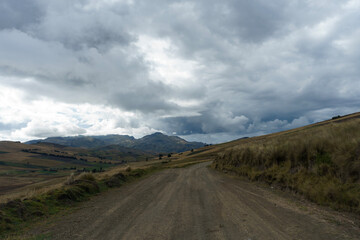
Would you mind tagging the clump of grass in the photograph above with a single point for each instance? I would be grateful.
(115, 180)
(70, 180)
(322, 163)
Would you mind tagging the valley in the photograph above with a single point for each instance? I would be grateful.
(42, 164)
(25, 168)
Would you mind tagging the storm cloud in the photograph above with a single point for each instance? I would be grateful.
(205, 70)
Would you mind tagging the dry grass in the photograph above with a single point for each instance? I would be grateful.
(70, 180)
(33, 190)
(20, 209)
(322, 162)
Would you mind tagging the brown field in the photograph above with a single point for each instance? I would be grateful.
(25, 168)
(35, 173)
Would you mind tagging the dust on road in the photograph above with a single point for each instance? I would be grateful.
(193, 203)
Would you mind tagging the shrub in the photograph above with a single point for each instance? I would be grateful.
(115, 180)
(86, 176)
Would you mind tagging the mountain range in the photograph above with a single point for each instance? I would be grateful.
(155, 143)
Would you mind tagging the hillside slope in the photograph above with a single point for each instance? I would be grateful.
(159, 142)
(320, 161)
(24, 165)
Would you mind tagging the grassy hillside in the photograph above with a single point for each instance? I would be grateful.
(320, 161)
(161, 143)
(120, 154)
(24, 166)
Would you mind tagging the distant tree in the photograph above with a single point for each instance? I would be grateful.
(192, 150)
(160, 156)
(169, 155)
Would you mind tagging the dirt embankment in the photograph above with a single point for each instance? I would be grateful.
(198, 203)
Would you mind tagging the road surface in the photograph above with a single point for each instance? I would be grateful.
(198, 203)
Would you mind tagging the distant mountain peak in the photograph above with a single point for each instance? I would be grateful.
(157, 133)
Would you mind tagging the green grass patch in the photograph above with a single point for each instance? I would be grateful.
(21, 165)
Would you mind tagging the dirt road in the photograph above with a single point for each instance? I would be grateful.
(197, 203)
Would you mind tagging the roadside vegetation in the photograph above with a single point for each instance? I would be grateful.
(17, 214)
(320, 161)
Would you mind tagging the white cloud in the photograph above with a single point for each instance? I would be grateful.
(166, 65)
(45, 117)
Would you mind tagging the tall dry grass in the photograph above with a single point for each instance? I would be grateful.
(321, 162)
(32, 190)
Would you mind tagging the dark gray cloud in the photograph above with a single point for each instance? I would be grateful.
(206, 122)
(11, 126)
(252, 21)
(19, 14)
(80, 26)
(203, 69)
(148, 98)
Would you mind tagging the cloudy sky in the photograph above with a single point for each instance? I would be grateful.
(206, 70)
